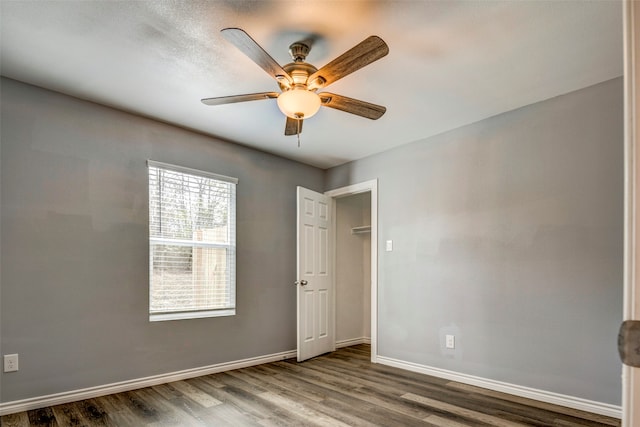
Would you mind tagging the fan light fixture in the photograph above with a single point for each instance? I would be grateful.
(298, 81)
(299, 103)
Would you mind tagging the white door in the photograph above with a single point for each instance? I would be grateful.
(315, 275)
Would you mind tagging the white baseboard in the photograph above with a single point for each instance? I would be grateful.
(516, 390)
(91, 392)
(353, 341)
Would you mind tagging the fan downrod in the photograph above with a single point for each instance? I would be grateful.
(299, 51)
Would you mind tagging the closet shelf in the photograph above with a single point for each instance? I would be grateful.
(361, 230)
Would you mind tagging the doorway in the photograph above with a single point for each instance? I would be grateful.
(353, 269)
(355, 261)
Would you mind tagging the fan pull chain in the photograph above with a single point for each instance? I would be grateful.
(298, 120)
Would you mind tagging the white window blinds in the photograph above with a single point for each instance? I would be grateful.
(191, 243)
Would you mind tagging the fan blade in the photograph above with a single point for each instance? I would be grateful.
(293, 126)
(353, 106)
(257, 54)
(220, 100)
(369, 50)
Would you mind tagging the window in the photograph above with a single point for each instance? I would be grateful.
(192, 251)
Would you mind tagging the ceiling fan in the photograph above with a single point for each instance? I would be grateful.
(299, 81)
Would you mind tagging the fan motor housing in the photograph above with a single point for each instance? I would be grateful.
(300, 72)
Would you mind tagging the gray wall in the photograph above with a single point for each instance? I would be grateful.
(353, 268)
(75, 246)
(509, 234)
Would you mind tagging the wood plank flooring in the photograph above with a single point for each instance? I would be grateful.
(338, 389)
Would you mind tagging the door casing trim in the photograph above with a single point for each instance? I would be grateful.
(631, 310)
(364, 187)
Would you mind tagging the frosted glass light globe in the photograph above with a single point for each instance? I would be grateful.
(299, 103)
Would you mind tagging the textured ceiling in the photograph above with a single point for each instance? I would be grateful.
(451, 63)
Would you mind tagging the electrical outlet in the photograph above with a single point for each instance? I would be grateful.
(450, 341)
(10, 362)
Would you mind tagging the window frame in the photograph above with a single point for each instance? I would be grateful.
(231, 246)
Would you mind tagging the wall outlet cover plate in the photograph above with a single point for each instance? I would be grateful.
(10, 362)
(629, 343)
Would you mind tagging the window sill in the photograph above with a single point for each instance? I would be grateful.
(161, 317)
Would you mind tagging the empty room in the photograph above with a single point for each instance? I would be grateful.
(322, 213)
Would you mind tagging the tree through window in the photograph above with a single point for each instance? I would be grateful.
(191, 243)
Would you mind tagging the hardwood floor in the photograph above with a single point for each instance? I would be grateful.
(338, 389)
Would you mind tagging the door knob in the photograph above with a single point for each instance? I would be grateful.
(301, 282)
